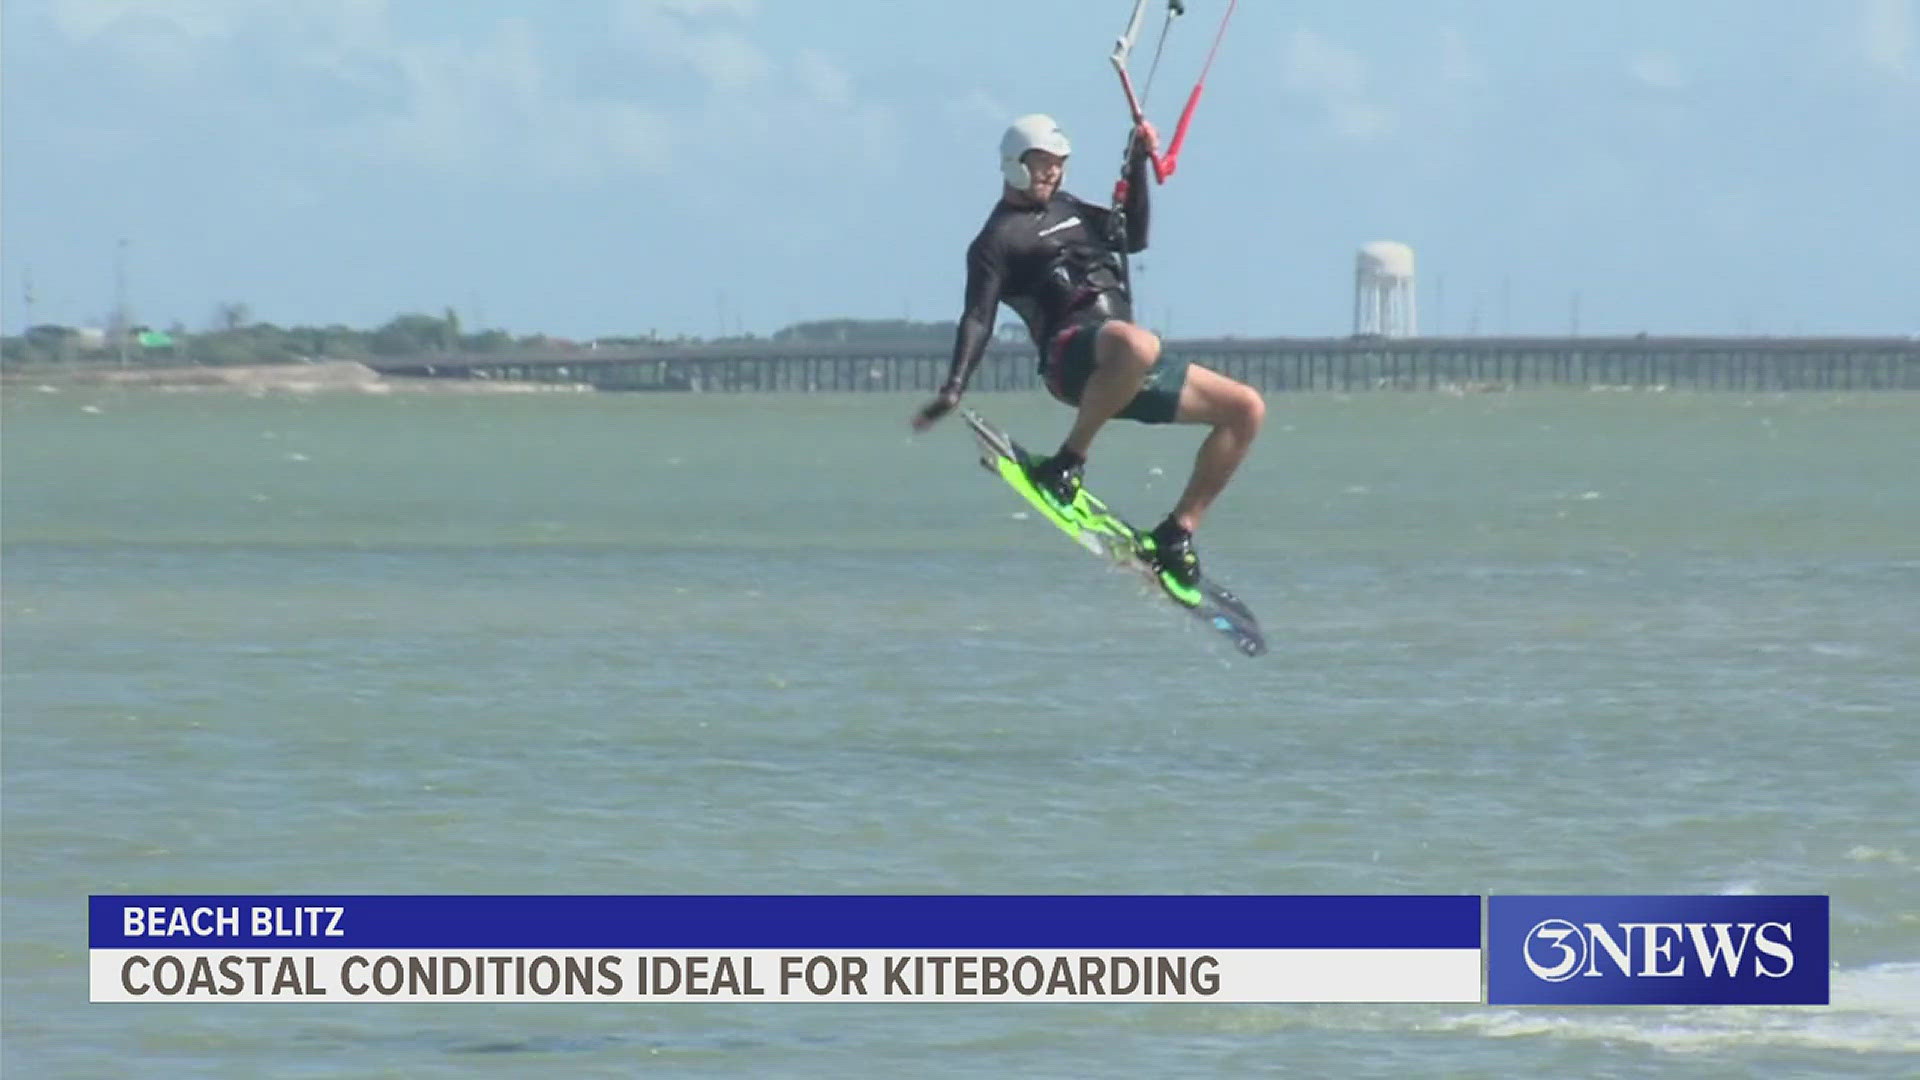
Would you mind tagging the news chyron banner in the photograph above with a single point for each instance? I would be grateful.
(762, 948)
(1657, 950)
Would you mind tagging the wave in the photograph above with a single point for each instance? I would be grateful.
(1874, 1010)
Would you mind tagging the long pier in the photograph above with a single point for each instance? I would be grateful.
(1271, 364)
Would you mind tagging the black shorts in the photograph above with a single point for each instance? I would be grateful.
(1069, 363)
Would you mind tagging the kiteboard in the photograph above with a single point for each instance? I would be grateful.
(1099, 530)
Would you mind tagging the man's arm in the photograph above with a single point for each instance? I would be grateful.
(970, 338)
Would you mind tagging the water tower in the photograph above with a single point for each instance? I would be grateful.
(1383, 303)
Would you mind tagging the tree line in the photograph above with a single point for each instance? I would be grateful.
(235, 338)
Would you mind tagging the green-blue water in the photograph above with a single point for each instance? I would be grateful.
(1537, 642)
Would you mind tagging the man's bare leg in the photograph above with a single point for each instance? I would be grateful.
(1234, 410)
(1122, 355)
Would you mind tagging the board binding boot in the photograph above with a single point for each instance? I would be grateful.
(1059, 477)
(1169, 550)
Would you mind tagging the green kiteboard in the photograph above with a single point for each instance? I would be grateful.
(1104, 533)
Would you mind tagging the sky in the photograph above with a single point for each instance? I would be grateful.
(617, 167)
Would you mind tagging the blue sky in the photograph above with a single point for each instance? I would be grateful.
(602, 167)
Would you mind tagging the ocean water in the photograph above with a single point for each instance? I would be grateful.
(1537, 642)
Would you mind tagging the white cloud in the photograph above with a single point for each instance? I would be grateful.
(493, 99)
(770, 104)
(1458, 62)
(1314, 63)
(1337, 78)
(691, 32)
(823, 80)
(213, 21)
(493, 104)
(1656, 70)
(740, 8)
(81, 20)
(728, 61)
(1886, 33)
(978, 105)
(490, 102)
(155, 37)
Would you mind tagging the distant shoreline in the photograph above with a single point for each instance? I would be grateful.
(322, 376)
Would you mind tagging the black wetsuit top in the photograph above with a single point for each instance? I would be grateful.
(1058, 265)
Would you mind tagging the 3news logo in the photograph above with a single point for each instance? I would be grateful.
(1657, 950)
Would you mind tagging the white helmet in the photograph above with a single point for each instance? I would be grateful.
(1035, 131)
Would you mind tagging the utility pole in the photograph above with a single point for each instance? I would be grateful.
(120, 320)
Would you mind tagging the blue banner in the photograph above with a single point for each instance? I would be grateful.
(767, 921)
(1657, 950)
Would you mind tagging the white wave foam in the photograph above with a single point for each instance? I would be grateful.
(1892, 989)
(1875, 1010)
(1866, 853)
